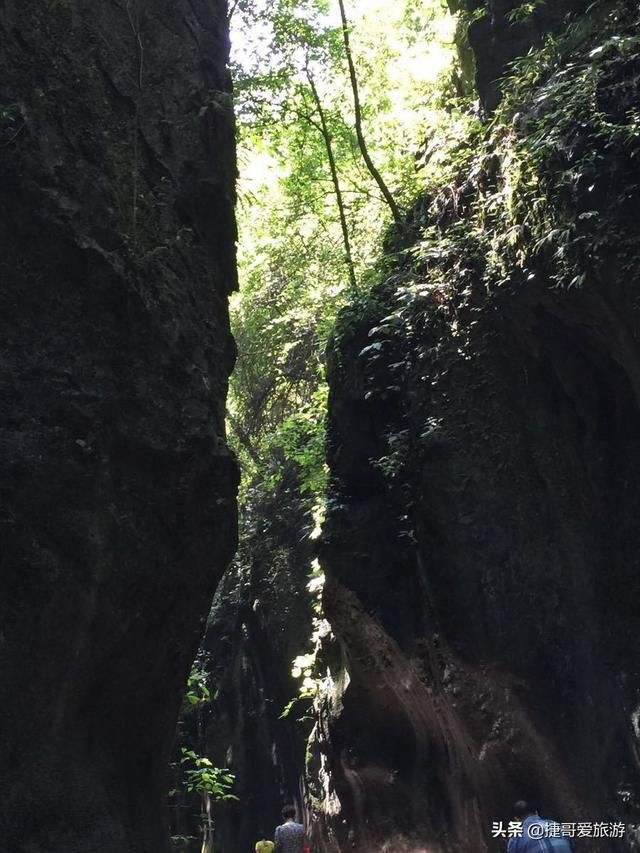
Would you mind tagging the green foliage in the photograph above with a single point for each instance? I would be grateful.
(476, 15)
(197, 692)
(315, 681)
(196, 780)
(524, 11)
(294, 703)
(294, 269)
(203, 778)
(301, 439)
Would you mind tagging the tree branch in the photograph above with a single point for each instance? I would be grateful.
(326, 136)
(375, 174)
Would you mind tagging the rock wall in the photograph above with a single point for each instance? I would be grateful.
(493, 33)
(117, 499)
(481, 548)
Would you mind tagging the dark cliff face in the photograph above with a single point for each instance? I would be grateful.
(496, 32)
(481, 548)
(486, 613)
(117, 509)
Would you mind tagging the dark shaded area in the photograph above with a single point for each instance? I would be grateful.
(260, 621)
(486, 609)
(117, 491)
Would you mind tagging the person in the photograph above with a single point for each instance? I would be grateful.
(264, 846)
(535, 837)
(290, 836)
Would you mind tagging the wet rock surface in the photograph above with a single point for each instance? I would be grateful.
(117, 497)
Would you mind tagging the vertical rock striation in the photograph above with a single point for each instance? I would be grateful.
(117, 491)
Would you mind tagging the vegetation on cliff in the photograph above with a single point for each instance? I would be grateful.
(304, 249)
(545, 191)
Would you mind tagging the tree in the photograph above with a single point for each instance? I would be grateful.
(197, 774)
(211, 783)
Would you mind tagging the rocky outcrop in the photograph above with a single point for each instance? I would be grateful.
(493, 33)
(481, 545)
(117, 508)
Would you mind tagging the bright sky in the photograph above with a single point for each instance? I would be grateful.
(250, 40)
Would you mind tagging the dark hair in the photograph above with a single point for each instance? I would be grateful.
(522, 809)
(288, 811)
(262, 836)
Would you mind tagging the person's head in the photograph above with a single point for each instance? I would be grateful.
(289, 812)
(262, 836)
(521, 810)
